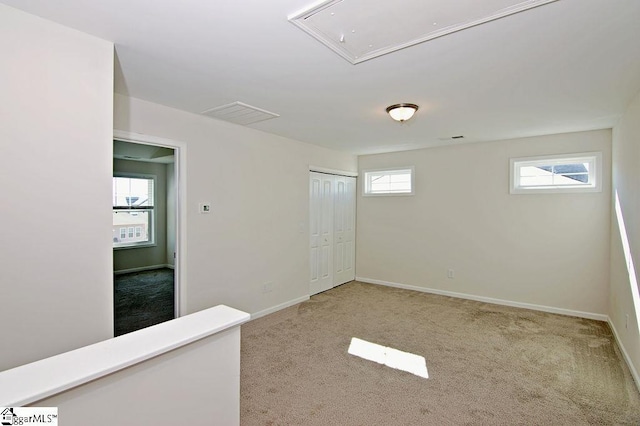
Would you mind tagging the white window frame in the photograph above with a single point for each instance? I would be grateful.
(595, 173)
(366, 183)
(124, 245)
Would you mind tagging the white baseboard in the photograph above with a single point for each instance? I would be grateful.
(625, 354)
(549, 309)
(143, 268)
(279, 307)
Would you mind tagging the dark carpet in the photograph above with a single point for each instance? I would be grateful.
(143, 299)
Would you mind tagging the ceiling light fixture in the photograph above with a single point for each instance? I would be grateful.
(402, 112)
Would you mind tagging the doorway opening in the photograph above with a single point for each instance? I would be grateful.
(145, 235)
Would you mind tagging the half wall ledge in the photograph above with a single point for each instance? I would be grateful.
(48, 377)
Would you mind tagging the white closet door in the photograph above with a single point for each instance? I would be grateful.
(322, 234)
(344, 226)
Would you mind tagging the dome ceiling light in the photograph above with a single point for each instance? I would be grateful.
(402, 112)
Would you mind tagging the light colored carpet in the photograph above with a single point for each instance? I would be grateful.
(488, 364)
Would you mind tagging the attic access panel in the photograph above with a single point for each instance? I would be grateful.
(358, 30)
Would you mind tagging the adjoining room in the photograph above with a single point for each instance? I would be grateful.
(144, 235)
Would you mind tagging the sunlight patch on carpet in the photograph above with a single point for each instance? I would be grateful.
(404, 361)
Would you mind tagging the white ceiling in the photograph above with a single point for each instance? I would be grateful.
(569, 65)
(145, 153)
(358, 32)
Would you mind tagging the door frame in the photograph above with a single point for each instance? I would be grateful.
(333, 171)
(180, 164)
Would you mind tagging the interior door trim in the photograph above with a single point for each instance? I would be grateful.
(180, 150)
(332, 171)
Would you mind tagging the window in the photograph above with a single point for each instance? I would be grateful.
(557, 173)
(133, 209)
(389, 182)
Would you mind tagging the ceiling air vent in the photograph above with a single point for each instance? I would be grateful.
(240, 113)
(358, 31)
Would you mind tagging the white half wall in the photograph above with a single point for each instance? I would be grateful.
(548, 250)
(626, 184)
(55, 167)
(258, 188)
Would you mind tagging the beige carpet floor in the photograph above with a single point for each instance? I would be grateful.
(488, 364)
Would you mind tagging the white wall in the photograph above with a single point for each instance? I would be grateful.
(141, 257)
(258, 188)
(550, 250)
(626, 183)
(56, 87)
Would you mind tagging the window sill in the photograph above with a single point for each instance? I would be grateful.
(401, 194)
(135, 246)
(554, 190)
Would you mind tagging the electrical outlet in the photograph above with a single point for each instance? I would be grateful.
(204, 208)
(450, 274)
(267, 287)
